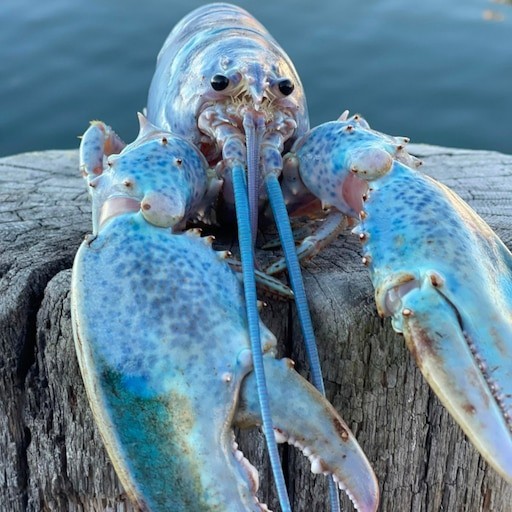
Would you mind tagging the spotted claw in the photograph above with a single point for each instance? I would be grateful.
(466, 364)
(438, 269)
(446, 282)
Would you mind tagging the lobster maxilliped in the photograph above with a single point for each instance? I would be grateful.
(161, 336)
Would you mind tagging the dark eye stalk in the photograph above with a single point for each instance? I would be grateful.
(219, 82)
(286, 86)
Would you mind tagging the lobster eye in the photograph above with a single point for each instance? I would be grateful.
(286, 86)
(219, 82)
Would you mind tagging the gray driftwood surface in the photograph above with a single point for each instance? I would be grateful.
(52, 457)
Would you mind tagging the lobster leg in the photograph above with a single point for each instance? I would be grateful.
(99, 140)
(264, 282)
(331, 227)
(311, 424)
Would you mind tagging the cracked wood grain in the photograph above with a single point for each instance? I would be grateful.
(52, 456)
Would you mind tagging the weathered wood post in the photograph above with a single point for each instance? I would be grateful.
(52, 458)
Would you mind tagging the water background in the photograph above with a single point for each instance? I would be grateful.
(437, 71)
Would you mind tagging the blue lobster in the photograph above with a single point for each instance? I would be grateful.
(226, 108)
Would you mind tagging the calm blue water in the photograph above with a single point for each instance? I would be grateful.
(437, 71)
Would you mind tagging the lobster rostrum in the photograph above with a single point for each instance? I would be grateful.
(161, 334)
(439, 271)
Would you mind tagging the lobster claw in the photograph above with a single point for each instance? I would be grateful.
(309, 422)
(449, 291)
(163, 342)
(438, 270)
(446, 281)
(473, 383)
(166, 397)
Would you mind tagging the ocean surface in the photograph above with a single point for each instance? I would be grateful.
(439, 72)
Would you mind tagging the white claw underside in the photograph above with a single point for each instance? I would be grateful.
(251, 473)
(317, 464)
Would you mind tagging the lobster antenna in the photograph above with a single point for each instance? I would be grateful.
(247, 257)
(284, 228)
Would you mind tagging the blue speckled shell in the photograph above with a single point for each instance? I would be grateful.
(439, 271)
(416, 225)
(159, 322)
(175, 168)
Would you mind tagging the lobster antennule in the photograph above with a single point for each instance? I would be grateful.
(254, 126)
